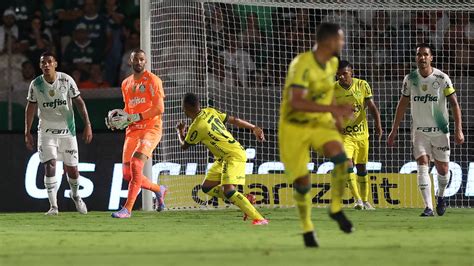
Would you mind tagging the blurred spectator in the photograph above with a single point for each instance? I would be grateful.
(81, 52)
(238, 63)
(68, 13)
(131, 10)
(133, 42)
(48, 11)
(435, 24)
(34, 42)
(8, 31)
(76, 74)
(214, 29)
(217, 79)
(96, 25)
(458, 43)
(96, 79)
(24, 11)
(115, 18)
(28, 74)
(254, 41)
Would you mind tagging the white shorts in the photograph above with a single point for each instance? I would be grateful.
(437, 148)
(61, 149)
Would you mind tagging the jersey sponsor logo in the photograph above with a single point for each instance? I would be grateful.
(438, 76)
(54, 104)
(445, 148)
(425, 98)
(72, 152)
(354, 129)
(136, 101)
(428, 129)
(57, 131)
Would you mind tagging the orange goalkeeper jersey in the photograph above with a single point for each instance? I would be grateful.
(144, 96)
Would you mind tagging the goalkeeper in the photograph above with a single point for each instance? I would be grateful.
(143, 97)
(228, 170)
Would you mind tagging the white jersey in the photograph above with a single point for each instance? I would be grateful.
(55, 109)
(428, 101)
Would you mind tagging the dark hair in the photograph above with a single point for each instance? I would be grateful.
(191, 99)
(344, 64)
(326, 30)
(49, 53)
(425, 45)
(136, 51)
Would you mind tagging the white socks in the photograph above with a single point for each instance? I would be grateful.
(74, 185)
(442, 184)
(51, 185)
(424, 184)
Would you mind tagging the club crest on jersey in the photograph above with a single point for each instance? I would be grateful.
(141, 88)
(51, 93)
(424, 87)
(62, 89)
(436, 85)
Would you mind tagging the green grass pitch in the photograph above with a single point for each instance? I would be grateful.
(382, 237)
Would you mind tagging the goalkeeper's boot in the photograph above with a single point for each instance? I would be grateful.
(123, 213)
(310, 240)
(427, 212)
(368, 206)
(80, 205)
(252, 200)
(260, 222)
(53, 211)
(160, 198)
(344, 224)
(441, 206)
(359, 205)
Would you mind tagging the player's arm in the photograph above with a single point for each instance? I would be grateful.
(181, 131)
(399, 115)
(81, 107)
(257, 131)
(30, 112)
(374, 111)
(458, 134)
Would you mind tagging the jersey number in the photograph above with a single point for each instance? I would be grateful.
(218, 127)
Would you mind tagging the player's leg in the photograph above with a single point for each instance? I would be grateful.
(69, 152)
(212, 183)
(294, 146)
(342, 168)
(421, 152)
(351, 151)
(233, 174)
(48, 153)
(361, 161)
(441, 153)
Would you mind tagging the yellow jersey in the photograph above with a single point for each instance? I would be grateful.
(209, 129)
(356, 95)
(306, 73)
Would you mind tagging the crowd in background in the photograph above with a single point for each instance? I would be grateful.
(380, 44)
(91, 39)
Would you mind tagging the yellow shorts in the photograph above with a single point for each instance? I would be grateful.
(227, 172)
(357, 150)
(295, 143)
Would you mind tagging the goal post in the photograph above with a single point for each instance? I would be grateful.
(234, 54)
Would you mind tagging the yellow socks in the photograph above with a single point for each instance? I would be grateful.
(363, 181)
(216, 191)
(303, 202)
(340, 175)
(239, 200)
(354, 187)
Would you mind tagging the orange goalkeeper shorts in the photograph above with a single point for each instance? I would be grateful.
(143, 141)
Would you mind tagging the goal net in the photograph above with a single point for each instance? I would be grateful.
(234, 55)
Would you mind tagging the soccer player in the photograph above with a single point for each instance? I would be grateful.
(427, 90)
(355, 132)
(228, 170)
(53, 94)
(143, 96)
(307, 121)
